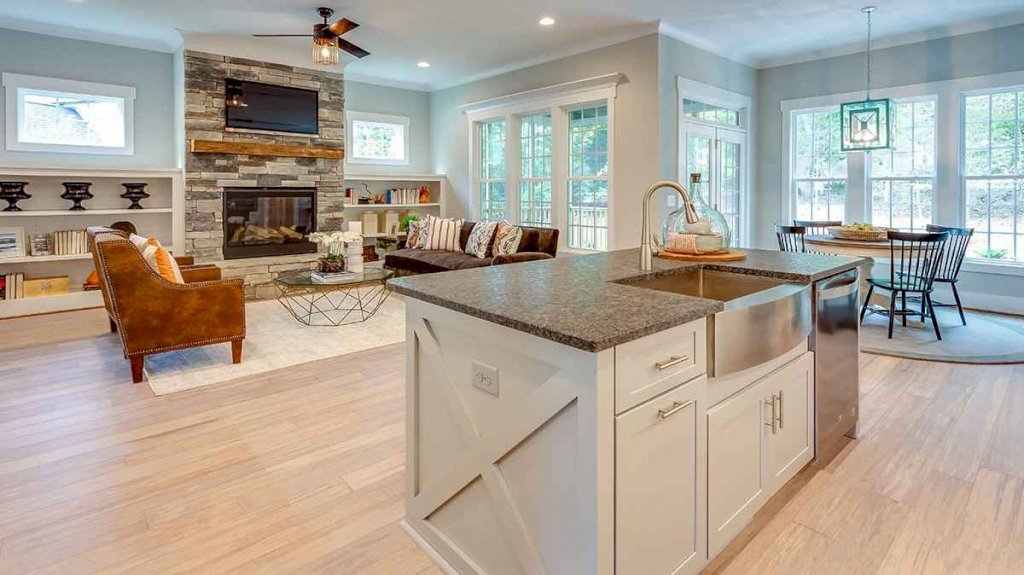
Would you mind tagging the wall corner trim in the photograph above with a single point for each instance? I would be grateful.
(606, 81)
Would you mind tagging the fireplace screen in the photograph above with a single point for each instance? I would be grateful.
(267, 222)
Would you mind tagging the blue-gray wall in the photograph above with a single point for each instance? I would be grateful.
(150, 73)
(364, 97)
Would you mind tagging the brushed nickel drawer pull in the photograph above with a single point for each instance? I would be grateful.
(674, 360)
(781, 418)
(774, 422)
(676, 408)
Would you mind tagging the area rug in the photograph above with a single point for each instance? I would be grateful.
(986, 339)
(274, 340)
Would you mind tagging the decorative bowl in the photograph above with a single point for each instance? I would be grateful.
(873, 235)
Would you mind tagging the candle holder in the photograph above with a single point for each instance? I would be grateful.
(13, 192)
(77, 192)
(135, 191)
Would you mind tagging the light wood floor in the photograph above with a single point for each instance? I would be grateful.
(301, 470)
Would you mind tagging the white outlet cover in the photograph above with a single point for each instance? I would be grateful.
(485, 378)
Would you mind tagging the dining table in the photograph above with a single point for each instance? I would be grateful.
(871, 251)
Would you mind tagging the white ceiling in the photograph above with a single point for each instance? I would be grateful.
(468, 39)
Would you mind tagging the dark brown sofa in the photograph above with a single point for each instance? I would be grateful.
(537, 244)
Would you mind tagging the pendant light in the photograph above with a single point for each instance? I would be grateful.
(867, 124)
(325, 48)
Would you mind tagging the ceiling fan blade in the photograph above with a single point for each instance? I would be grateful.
(352, 48)
(282, 35)
(342, 26)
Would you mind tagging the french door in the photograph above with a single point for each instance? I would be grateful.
(719, 155)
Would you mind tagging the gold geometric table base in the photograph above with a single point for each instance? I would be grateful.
(333, 305)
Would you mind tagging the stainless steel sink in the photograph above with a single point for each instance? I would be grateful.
(763, 317)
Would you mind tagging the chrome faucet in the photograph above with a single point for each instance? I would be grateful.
(646, 252)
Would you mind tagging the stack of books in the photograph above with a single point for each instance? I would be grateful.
(331, 278)
(70, 243)
(12, 286)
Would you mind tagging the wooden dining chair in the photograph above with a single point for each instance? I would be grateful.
(915, 259)
(819, 227)
(791, 238)
(952, 259)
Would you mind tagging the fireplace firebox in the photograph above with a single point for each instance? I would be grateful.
(268, 221)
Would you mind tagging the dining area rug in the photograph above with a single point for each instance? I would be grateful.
(987, 338)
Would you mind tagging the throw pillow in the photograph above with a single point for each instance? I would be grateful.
(160, 261)
(139, 242)
(412, 240)
(421, 243)
(480, 238)
(444, 235)
(507, 238)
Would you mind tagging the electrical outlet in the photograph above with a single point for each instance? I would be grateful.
(485, 378)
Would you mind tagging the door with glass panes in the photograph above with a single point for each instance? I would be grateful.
(719, 156)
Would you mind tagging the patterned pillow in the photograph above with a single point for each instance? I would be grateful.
(421, 241)
(444, 235)
(479, 241)
(415, 233)
(507, 238)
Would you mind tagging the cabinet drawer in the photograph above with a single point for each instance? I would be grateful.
(656, 363)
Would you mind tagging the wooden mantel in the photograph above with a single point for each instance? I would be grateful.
(258, 149)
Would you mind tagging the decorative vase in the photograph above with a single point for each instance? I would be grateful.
(424, 195)
(710, 221)
(13, 192)
(77, 192)
(135, 192)
(354, 258)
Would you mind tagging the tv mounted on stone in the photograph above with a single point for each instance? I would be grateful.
(270, 108)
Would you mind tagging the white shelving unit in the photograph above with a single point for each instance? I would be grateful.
(392, 206)
(45, 212)
(381, 182)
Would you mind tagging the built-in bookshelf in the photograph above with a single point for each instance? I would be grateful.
(379, 184)
(46, 212)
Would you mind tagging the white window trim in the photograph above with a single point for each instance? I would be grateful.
(558, 101)
(693, 90)
(948, 208)
(13, 82)
(352, 115)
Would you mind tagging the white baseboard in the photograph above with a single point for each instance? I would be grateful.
(992, 302)
(430, 551)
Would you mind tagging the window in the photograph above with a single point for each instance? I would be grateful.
(492, 170)
(535, 170)
(819, 166)
(902, 180)
(993, 174)
(710, 113)
(378, 139)
(543, 158)
(588, 178)
(52, 115)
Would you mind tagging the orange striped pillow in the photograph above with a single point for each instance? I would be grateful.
(161, 261)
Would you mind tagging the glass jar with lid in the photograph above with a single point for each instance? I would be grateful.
(711, 222)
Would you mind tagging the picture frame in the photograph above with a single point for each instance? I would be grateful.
(12, 243)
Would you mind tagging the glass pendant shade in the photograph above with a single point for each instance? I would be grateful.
(326, 51)
(867, 125)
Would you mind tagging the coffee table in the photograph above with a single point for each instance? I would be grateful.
(353, 299)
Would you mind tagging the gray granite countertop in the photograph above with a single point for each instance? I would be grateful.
(577, 300)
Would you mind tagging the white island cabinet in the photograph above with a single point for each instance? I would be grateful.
(525, 455)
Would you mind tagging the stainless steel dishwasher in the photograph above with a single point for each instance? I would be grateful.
(836, 345)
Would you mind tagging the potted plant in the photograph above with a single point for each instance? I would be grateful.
(333, 261)
(403, 224)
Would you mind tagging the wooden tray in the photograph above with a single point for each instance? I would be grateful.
(726, 256)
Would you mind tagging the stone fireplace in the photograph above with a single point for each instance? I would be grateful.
(214, 180)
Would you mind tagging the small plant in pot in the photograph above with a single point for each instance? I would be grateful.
(333, 261)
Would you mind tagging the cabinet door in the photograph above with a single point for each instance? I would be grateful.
(659, 484)
(791, 445)
(736, 488)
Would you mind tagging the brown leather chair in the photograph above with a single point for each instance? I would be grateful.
(152, 315)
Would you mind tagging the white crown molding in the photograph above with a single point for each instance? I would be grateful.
(671, 31)
(364, 79)
(255, 49)
(606, 81)
(170, 44)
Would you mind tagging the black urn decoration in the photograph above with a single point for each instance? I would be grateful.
(13, 192)
(77, 192)
(136, 192)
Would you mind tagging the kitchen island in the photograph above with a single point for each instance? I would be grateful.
(579, 415)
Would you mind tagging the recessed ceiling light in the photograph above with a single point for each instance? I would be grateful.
(547, 21)
(424, 64)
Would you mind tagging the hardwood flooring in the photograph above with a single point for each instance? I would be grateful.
(301, 470)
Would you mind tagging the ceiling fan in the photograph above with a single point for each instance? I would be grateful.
(327, 39)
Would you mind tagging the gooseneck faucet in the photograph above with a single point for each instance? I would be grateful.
(646, 251)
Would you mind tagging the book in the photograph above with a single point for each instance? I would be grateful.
(331, 278)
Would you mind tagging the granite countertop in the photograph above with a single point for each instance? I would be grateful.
(576, 300)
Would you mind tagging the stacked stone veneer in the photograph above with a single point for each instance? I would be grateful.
(207, 175)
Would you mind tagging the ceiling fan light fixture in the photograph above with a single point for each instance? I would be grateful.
(326, 51)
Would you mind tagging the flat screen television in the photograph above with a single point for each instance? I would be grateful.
(256, 106)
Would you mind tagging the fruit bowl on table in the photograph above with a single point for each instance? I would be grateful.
(859, 233)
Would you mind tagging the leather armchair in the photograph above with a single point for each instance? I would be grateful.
(152, 315)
